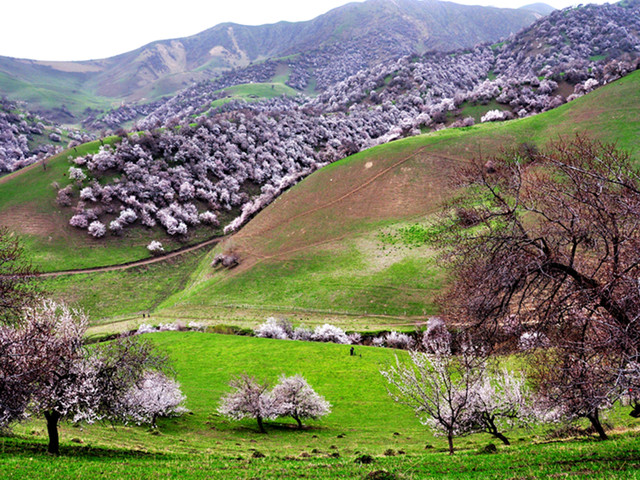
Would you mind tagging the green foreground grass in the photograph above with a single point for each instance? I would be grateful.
(364, 420)
(252, 92)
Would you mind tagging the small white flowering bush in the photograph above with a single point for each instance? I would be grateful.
(155, 247)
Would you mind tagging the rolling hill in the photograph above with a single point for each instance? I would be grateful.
(371, 31)
(340, 245)
(345, 242)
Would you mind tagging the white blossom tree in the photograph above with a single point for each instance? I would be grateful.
(47, 370)
(439, 387)
(272, 328)
(294, 397)
(501, 401)
(248, 399)
(330, 333)
(157, 395)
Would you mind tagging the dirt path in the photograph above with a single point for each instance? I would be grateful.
(136, 263)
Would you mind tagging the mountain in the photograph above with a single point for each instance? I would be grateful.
(364, 33)
(541, 8)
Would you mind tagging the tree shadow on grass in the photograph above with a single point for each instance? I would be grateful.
(14, 445)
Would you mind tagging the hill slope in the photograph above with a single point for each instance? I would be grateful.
(369, 32)
(343, 241)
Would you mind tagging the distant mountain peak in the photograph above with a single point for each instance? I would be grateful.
(541, 8)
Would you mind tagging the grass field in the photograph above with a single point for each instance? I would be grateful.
(126, 293)
(251, 92)
(364, 420)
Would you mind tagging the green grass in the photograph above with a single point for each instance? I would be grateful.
(51, 92)
(251, 92)
(363, 420)
(123, 293)
(365, 277)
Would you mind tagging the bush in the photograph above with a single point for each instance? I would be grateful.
(97, 229)
(155, 247)
(398, 340)
(330, 333)
(271, 329)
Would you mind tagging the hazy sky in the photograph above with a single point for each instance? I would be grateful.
(86, 29)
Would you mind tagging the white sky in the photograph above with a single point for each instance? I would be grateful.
(86, 29)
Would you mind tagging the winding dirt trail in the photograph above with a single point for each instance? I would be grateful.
(136, 263)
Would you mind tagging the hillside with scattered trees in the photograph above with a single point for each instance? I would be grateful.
(190, 163)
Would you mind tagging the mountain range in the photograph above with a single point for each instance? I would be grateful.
(374, 30)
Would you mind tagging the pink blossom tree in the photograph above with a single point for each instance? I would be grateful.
(249, 398)
(294, 397)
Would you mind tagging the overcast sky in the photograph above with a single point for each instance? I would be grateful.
(86, 29)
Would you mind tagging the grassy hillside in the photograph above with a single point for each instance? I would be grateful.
(252, 92)
(323, 247)
(364, 420)
(50, 242)
(330, 249)
(62, 94)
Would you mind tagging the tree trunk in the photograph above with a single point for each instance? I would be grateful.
(490, 426)
(297, 419)
(595, 422)
(500, 436)
(450, 440)
(260, 425)
(52, 429)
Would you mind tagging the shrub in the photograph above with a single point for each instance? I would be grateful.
(155, 247)
(398, 340)
(330, 333)
(271, 329)
(97, 229)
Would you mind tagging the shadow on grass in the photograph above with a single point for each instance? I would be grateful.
(14, 445)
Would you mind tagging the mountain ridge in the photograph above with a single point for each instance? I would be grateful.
(375, 29)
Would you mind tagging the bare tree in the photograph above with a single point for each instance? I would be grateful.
(558, 250)
(294, 397)
(17, 290)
